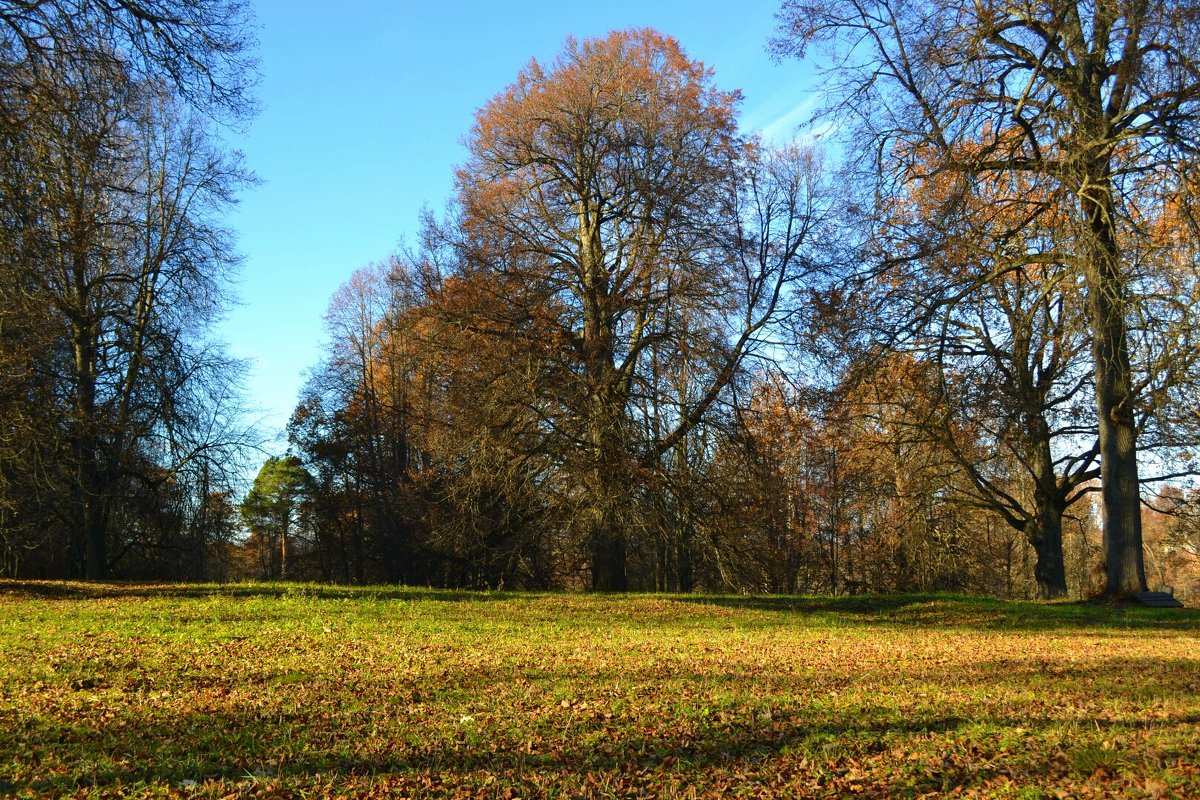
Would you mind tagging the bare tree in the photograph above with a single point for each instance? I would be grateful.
(116, 253)
(611, 191)
(203, 50)
(1093, 99)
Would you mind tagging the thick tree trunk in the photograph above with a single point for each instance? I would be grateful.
(95, 527)
(606, 534)
(1120, 486)
(608, 560)
(1047, 538)
(605, 408)
(91, 512)
(1045, 529)
(606, 531)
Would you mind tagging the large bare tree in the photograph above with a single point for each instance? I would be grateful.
(1092, 100)
(115, 256)
(610, 191)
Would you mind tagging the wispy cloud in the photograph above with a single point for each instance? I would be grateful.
(778, 118)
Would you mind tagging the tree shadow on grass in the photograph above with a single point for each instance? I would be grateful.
(96, 590)
(321, 744)
(163, 758)
(961, 611)
(753, 752)
(917, 610)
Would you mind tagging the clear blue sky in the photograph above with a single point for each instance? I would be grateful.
(365, 104)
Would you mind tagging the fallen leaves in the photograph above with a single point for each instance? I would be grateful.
(583, 696)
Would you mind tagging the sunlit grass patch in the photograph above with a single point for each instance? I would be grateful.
(280, 690)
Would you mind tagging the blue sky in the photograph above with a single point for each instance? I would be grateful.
(364, 110)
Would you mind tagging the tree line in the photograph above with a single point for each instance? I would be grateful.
(641, 349)
(120, 411)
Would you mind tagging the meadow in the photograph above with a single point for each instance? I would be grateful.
(297, 690)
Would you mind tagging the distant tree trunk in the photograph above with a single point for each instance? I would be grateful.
(359, 535)
(283, 550)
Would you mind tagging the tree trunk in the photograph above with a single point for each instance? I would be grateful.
(608, 559)
(1120, 486)
(1045, 530)
(283, 551)
(606, 533)
(95, 528)
(605, 407)
(1047, 538)
(91, 512)
(357, 549)
(683, 556)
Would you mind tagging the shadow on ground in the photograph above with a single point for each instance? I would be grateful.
(947, 610)
(249, 748)
(97, 590)
(961, 611)
(299, 749)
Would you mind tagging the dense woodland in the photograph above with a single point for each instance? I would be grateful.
(948, 346)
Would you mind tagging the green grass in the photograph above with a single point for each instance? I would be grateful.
(276, 691)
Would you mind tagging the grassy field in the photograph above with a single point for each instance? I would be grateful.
(276, 691)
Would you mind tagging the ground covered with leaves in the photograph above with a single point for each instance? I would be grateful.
(277, 691)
